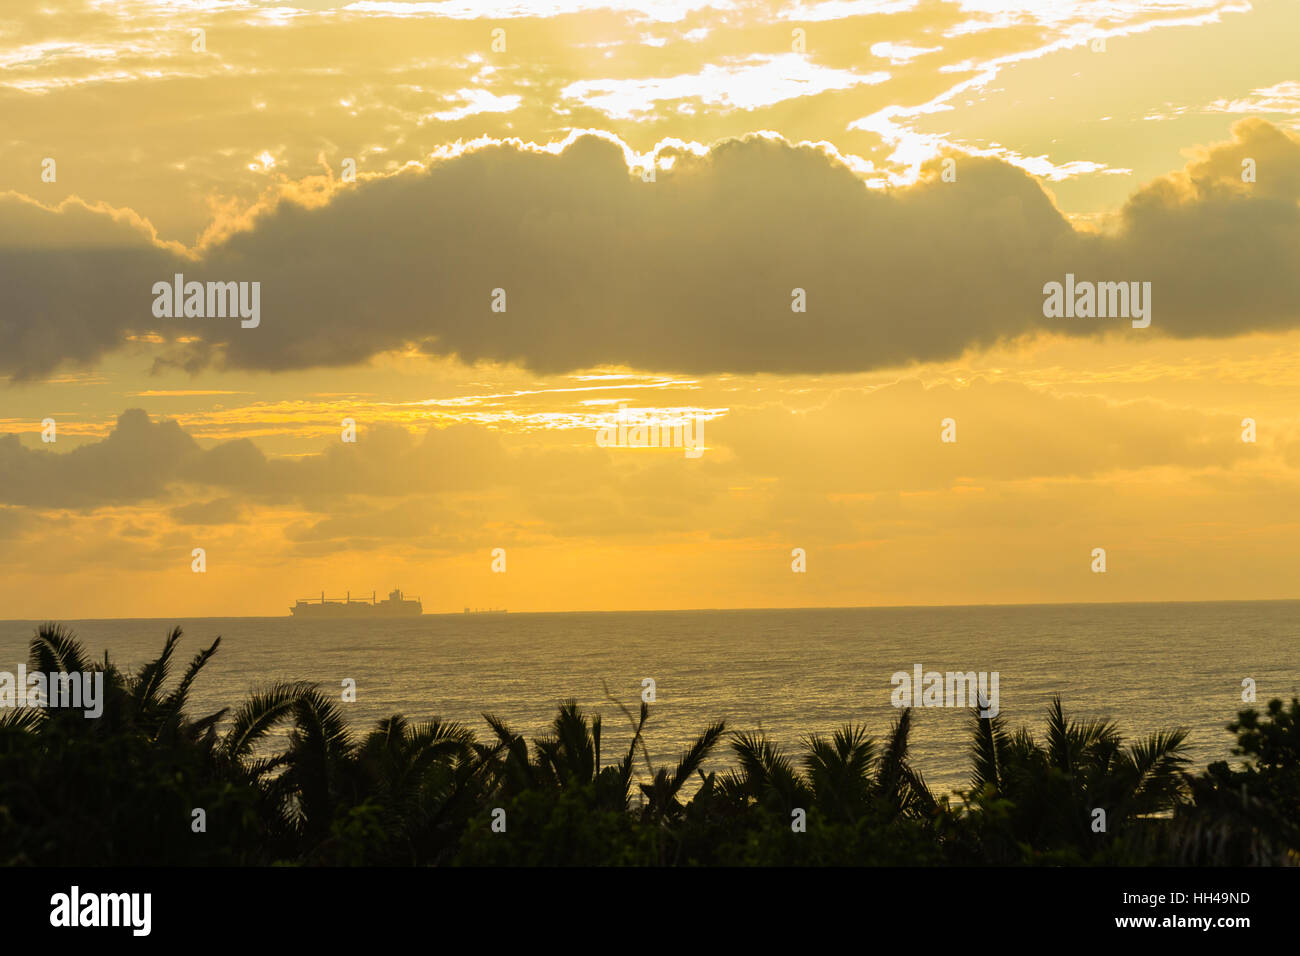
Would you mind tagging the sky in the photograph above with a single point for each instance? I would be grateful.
(820, 234)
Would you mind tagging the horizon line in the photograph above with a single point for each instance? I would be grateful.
(684, 610)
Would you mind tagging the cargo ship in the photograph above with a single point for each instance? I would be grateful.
(396, 605)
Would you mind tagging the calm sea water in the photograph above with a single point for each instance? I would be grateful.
(787, 672)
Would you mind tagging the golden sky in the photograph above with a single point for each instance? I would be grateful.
(647, 182)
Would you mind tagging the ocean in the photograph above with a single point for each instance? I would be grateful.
(786, 672)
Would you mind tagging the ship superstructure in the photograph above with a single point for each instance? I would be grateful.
(395, 605)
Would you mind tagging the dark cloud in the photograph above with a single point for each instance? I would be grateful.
(137, 461)
(142, 460)
(216, 511)
(13, 522)
(692, 273)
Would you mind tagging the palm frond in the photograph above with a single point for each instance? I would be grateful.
(261, 712)
(55, 649)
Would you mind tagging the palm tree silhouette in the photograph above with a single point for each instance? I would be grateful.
(846, 776)
(285, 779)
(1049, 792)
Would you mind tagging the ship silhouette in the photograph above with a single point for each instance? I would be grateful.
(395, 605)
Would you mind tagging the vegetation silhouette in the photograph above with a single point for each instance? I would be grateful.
(281, 779)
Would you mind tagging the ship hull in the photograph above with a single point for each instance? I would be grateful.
(355, 611)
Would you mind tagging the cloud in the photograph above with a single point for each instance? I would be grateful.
(137, 461)
(216, 511)
(142, 460)
(849, 441)
(748, 83)
(888, 439)
(692, 273)
(13, 522)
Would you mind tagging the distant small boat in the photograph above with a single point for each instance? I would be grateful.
(396, 605)
(486, 610)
